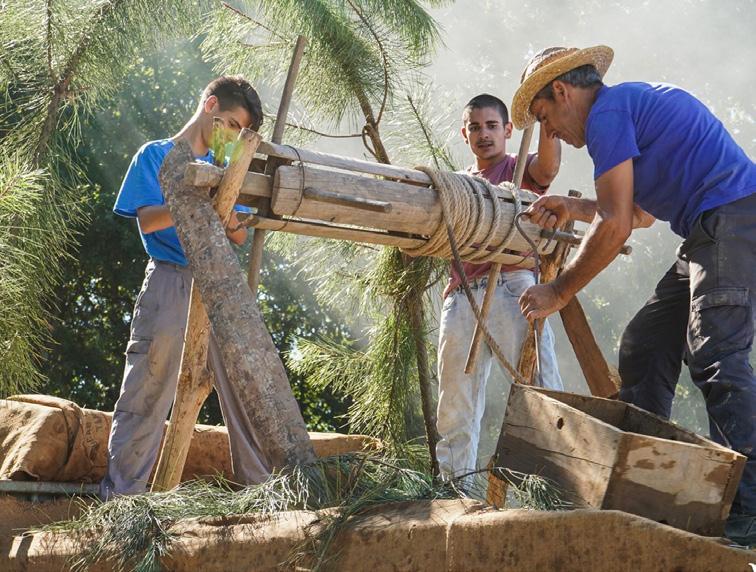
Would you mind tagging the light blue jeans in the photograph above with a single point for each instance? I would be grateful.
(462, 397)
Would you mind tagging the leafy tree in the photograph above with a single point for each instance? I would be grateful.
(360, 53)
(59, 61)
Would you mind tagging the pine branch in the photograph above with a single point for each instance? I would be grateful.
(60, 88)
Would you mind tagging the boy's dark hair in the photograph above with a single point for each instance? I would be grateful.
(235, 91)
(486, 100)
(583, 76)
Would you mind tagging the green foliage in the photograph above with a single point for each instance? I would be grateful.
(358, 50)
(24, 243)
(58, 61)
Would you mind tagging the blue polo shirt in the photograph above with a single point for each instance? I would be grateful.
(684, 160)
(141, 188)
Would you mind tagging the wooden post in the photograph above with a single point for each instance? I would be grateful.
(258, 238)
(493, 274)
(253, 366)
(551, 266)
(195, 381)
(601, 381)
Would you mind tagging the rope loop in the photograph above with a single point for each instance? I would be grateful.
(463, 199)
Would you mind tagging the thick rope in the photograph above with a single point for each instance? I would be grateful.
(463, 200)
(451, 221)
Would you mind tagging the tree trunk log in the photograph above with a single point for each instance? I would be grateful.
(252, 362)
(195, 381)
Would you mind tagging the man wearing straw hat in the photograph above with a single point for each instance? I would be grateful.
(658, 152)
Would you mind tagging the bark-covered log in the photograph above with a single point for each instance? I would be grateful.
(195, 381)
(252, 363)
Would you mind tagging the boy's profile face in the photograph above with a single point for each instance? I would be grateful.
(486, 133)
(234, 118)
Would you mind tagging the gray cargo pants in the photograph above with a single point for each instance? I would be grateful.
(153, 358)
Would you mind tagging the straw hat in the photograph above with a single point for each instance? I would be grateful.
(546, 66)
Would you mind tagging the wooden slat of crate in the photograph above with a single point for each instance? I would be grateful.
(558, 442)
(685, 485)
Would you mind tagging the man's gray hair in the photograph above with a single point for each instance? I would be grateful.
(584, 76)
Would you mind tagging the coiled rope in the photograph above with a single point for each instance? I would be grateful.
(463, 200)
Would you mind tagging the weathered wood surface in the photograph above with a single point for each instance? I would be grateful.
(597, 373)
(544, 436)
(195, 381)
(312, 228)
(612, 455)
(652, 477)
(345, 163)
(254, 185)
(414, 209)
(252, 362)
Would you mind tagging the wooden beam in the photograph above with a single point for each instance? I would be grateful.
(597, 373)
(253, 366)
(493, 273)
(551, 266)
(195, 382)
(345, 163)
(318, 229)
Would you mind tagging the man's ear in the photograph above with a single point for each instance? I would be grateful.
(464, 135)
(507, 130)
(560, 90)
(211, 104)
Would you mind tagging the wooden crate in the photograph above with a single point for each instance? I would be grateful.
(611, 455)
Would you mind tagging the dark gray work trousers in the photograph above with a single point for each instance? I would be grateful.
(153, 357)
(702, 312)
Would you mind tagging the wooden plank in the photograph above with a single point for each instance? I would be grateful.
(544, 436)
(636, 420)
(200, 174)
(317, 229)
(345, 163)
(652, 478)
(597, 374)
(253, 365)
(609, 411)
(194, 380)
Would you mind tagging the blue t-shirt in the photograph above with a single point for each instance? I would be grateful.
(140, 188)
(684, 160)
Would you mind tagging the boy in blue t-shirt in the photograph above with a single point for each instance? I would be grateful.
(153, 353)
(658, 152)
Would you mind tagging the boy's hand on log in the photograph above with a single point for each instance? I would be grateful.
(234, 231)
(540, 301)
(549, 212)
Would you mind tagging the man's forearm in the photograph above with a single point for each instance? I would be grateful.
(158, 217)
(602, 243)
(583, 210)
(545, 167)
